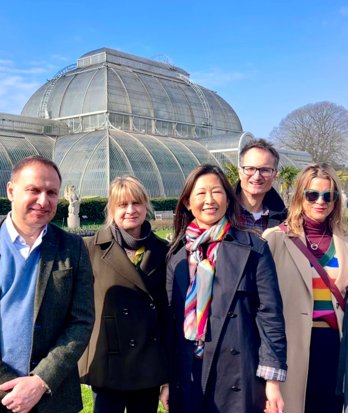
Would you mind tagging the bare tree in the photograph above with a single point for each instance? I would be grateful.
(321, 129)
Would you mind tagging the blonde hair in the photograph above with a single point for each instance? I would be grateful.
(125, 188)
(303, 181)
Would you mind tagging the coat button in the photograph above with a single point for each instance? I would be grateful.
(235, 388)
(231, 314)
(152, 306)
(125, 311)
(132, 342)
(234, 352)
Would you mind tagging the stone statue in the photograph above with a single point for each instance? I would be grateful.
(74, 206)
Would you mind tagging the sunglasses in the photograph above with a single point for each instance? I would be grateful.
(328, 196)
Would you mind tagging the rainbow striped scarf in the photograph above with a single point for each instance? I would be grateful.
(199, 293)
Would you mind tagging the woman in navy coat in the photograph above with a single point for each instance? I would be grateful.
(227, 329)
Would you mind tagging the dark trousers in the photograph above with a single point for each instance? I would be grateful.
(196, 401)
(322, 374)
(135, 401)
(189, 398)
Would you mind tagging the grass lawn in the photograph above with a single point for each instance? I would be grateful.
(162, 233)
(88, 401)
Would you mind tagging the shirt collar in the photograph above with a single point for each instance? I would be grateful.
(14, 235)
(264, 212)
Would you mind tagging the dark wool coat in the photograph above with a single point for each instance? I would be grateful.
(246, 328)
(63, 320)
(342, 382)
(126, 350)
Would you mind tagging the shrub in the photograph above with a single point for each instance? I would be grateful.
(92, 209)
(5, 206)
(164, 204)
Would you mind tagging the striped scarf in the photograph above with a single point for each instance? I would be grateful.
(323, 308)
(199, 293)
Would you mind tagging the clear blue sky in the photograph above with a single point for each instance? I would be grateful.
(265, 57)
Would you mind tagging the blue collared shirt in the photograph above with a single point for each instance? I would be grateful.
(18, 241)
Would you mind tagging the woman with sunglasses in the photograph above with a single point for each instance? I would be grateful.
(313, 315)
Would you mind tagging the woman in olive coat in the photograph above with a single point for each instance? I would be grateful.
(125, 362)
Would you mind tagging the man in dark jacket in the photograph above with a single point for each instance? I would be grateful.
(261, 205)
(46, 297)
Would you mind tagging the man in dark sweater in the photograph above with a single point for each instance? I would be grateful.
(46, 293)
(261, 205)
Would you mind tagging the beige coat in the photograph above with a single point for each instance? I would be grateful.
(295, 282)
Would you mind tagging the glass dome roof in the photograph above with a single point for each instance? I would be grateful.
(109, 81)
(113, 114)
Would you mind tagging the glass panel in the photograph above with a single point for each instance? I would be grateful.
(56, 97)
(139, 100)
(120, 121)
(5, 171)
(169, 170)
(179, 101)
(96, 89)
(162, 105)
(141, 162)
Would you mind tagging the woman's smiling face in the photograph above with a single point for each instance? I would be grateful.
(208, 200)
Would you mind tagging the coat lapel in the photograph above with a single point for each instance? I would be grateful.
(48, 253)
(153, 256)
(117, 259)
(183, 281)
(225, 287)
(300, 261)
(224, 291)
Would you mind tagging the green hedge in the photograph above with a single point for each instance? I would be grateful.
(164, 204)
(92, 209)
(5, 206)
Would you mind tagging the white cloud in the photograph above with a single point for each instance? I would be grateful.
(31, 71)
(59, 57)
(8, 66)
(14, 92)
(343, 11)
(217, 77)
(18, 85)
(6, 62)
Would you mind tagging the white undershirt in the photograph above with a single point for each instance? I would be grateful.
(257, 215)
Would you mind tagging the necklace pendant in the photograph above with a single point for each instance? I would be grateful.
(314, 246)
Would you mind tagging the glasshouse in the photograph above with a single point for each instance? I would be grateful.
(113, 114)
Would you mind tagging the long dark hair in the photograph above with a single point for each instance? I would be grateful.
(183, 216)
